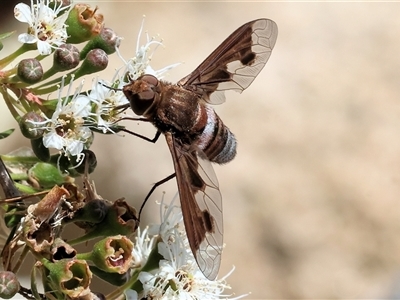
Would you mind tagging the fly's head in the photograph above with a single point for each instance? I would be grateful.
(143, 93)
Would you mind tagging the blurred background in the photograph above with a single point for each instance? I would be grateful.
(311, 202)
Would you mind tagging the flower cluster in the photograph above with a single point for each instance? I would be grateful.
(177, 275)
(47, 28)
(67, 122)
(165, 266)
(60, 119)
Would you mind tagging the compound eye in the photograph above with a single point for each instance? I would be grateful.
(146, 95)
(142, 93)
(141, 101)
(150, 79)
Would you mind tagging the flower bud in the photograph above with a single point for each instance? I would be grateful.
(46, 175)
(61, 161)
(89, 163)
(72, 277)
(65, 164)
(120, 219)
(93, 212)
(96, 60)
(40, 150)
(30, 127)
(66, 57)
(83, 23)
(9, 285)
(113, 254)
(107, 40)
(30, 70)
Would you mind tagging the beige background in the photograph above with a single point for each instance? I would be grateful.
(311, 203)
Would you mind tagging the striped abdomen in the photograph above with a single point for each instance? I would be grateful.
(216, 140)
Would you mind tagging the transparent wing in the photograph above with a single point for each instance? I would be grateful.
(201, 205)
(235, 63)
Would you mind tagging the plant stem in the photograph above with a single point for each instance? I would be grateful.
(21, 259)
(20, 159)
(19, 176)
(84, 256)
(11, 108)
(21, 50)
(25, 189)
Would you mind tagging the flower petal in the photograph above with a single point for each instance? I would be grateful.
(81, 106)
(22, 13)
(46, 14)
(27, 38)
(74, 147)
(53, 140)
(44, 48)
(131, 294)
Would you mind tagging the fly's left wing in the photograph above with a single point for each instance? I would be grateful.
(235, 63)
(201, 205)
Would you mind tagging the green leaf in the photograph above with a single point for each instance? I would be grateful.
(6, 133)
(4, 36)
(46, 175)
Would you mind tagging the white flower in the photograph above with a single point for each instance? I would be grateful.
(140, 64)
(65, 129)
(106, 97)
(143, 246)
(178, 276)
(46, 26)
(170, 216)
(131, 295)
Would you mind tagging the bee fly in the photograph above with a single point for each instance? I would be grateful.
(196, 135)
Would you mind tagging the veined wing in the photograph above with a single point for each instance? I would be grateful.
(235, 63)
(201, 205)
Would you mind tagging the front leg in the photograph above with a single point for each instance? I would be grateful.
(153, 140)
